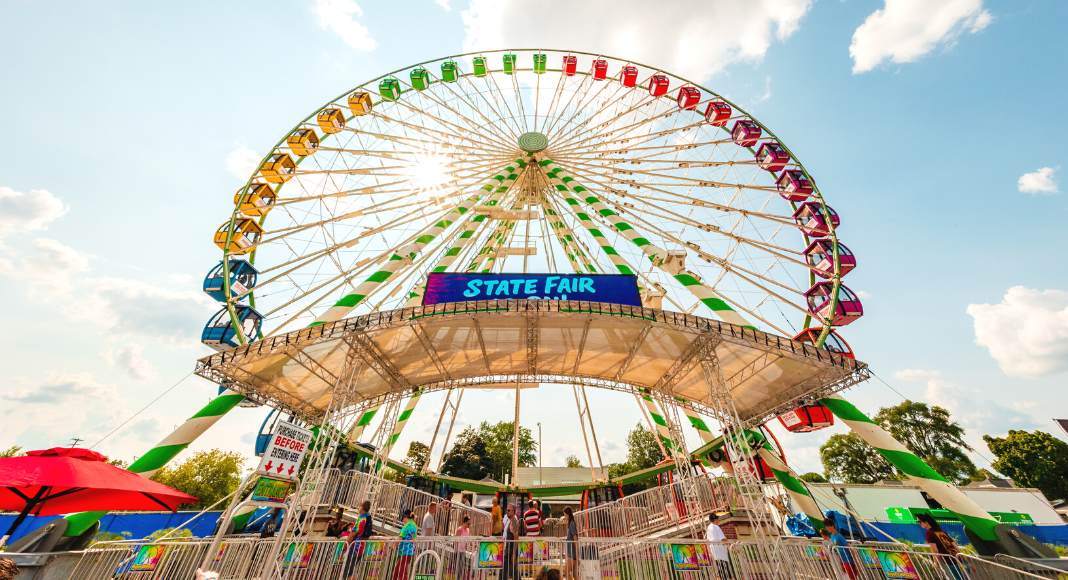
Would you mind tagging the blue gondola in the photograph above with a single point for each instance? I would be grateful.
(220, 335)
(242, 277)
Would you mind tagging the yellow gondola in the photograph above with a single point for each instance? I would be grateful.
(331, 121)
(259, 201)
(279, 168)
(360, 103)
(246, 234)
(303, 141)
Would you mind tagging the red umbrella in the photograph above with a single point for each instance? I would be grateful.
(65, 480)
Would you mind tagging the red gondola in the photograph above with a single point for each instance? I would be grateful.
(807, 418)
(658, 85)
(717, 113)
(745, 133)
(630, 76)
(688, 97)
(772, 157)
(570, 64)
(793, 185)
(600, 69)
(833, 342)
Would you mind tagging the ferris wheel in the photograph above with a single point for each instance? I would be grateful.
(530, 161)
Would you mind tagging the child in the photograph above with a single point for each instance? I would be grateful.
(406, 550)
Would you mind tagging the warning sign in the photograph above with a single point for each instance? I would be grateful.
(285, 452)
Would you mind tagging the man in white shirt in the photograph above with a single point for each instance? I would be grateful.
(718, 548)
(429, 526)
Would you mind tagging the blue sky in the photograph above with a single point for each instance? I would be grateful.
(931, 127)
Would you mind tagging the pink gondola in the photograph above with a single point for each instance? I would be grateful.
(630, 76)
(570, 64)
(600, 69)
(745, 133)
(793, 185)
(772, 156)
(658, 85)
(811, 221)
(847, 309)
(820, 257)
(717, 113)
(688, 97)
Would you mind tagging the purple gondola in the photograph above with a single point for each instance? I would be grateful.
(793, 185)
(811, 221)
(772, 156)
(820, 257)
(745, 133)
(845, 311)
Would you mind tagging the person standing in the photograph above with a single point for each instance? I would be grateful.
(406, 549)
(358, 533)
(533, 519)
(495, 515)
(511, 535)
(429, 525)
(461, 547)
(943, 546)
(572, 563)
(844, 554)
(718, 547)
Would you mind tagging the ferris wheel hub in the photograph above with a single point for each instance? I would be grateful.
(533, 142)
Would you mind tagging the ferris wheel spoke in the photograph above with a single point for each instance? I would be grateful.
(471, 125)
(587, 82)
(605, 137)
(612, 101)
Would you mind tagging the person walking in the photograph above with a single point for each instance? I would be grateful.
(495, 516)
(463, 560)
(430, 526)
(844, 554)
(718, 548)
(533, 519)
(572, 563)
(406, 549)
(944, 548)
(511, 535)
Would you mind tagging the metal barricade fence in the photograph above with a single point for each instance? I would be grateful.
(1033, 567)
(140, 560)
(554, 527)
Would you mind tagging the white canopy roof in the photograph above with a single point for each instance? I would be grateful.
(531, 341)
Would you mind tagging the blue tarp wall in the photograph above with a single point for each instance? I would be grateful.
(1057, 535)
(139, 525)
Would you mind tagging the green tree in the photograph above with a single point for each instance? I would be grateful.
(572, 461)
(119, 463)
(1032, 460)
(848, 459)
(418, 453)
(812, 477)
(206, 475)
(927, 431)
(643, 451)
(469, 458)
(13, 451)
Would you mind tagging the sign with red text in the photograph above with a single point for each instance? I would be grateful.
(285, 452)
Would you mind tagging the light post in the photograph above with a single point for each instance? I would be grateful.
(541, 476)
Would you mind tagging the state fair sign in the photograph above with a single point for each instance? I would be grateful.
(611, 288)
(284, 454)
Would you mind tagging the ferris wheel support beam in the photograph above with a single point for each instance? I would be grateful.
(658, 256)
(402, 256)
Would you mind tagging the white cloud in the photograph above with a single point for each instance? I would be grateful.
(905, 30)
(1038, 182)
(978, 415)
(47, 272)
(129, 358)
(862, 294)
(1027, 333)
(444, 4)
(56, 408)
(242, 162)
(339, 17)
(915, 374)
(130, 308)
(767, 91)
(27, 212)
(692, 38)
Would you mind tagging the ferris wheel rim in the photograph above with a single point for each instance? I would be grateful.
(816, 195)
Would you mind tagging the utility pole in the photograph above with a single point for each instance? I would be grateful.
(541, 475)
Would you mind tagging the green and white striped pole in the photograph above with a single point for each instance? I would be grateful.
(500, 184)
(798, 492)
(152, 461)
(661, 424)
(402, 420)
(403, 256)
(697, 422)
(970, 514)
(568, 187)
(361, 424)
